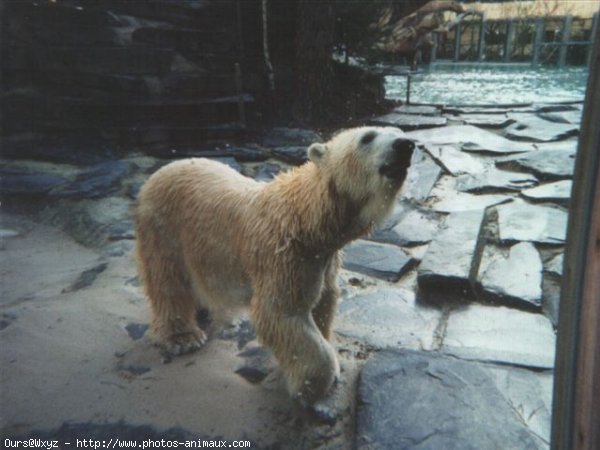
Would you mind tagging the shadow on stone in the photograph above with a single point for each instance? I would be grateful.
(446, 267)
(241, 333)
(99, 181)
(87, 278)
(136, 330)
(384, 261)
(257, 364)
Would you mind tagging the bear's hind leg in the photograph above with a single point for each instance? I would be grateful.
(174, 326)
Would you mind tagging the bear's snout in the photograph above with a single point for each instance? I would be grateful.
(397, 161)
(403, 145)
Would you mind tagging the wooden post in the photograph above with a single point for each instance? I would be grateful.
(508, 43)
(537, 42)
(457, 39)
(575, 412)
(565, 38)
(481, 43)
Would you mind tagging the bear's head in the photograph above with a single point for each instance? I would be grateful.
(366, 165)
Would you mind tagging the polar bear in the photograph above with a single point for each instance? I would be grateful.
(210, 237)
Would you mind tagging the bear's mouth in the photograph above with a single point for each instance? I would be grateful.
(397, 162)
(396, 170)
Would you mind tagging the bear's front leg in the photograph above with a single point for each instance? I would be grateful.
(324, 311)
(308, 361)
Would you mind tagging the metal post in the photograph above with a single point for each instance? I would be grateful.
(565, 38)
(508, 43)
(592, 37)
(433, 55)
(537, 43)
(457, 39)
(481, 44)
(408, 78)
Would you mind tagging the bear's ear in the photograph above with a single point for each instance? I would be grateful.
(316, 152)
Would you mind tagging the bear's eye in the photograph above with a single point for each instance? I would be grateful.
(368, 137)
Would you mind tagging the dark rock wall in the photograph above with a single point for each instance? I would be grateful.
(156, 75)
(152, 73)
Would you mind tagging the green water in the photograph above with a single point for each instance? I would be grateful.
(491, 85)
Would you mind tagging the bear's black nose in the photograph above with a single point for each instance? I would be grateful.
(403, 145)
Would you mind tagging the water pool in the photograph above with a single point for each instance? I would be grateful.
(490, 85)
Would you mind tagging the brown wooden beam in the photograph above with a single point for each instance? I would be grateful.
(576, 408)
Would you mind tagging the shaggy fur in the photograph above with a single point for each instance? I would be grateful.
(208, 236)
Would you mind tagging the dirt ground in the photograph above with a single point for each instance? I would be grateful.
(75, 351)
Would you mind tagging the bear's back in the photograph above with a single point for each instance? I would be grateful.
(196, 193)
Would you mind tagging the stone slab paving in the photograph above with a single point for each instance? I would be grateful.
(529, 394)
(555, 265)
(549, 164)
(485, 110)
(494, 180)
(514, 279)
(558, 107)
(410, 226)
(424, 110)
(97, 182)
(42, 283)
(421, 177)
(267, 171)
(532, 128)
(567, 145)
(418, 226)
(472, 139)
(249, 153)
(486, 120)
(291, 154)
(447, 262)
(572, 117)
(454, 161)
(123, 229)
(502, 335)
(553, 268)
(409, 121)
(462, 201)
(557, 192)
(388, 317)
(21, 181)
(551, 287)
(228, 160)
(384, 261)
(522, 221)
(400, 390)
(446, 211)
